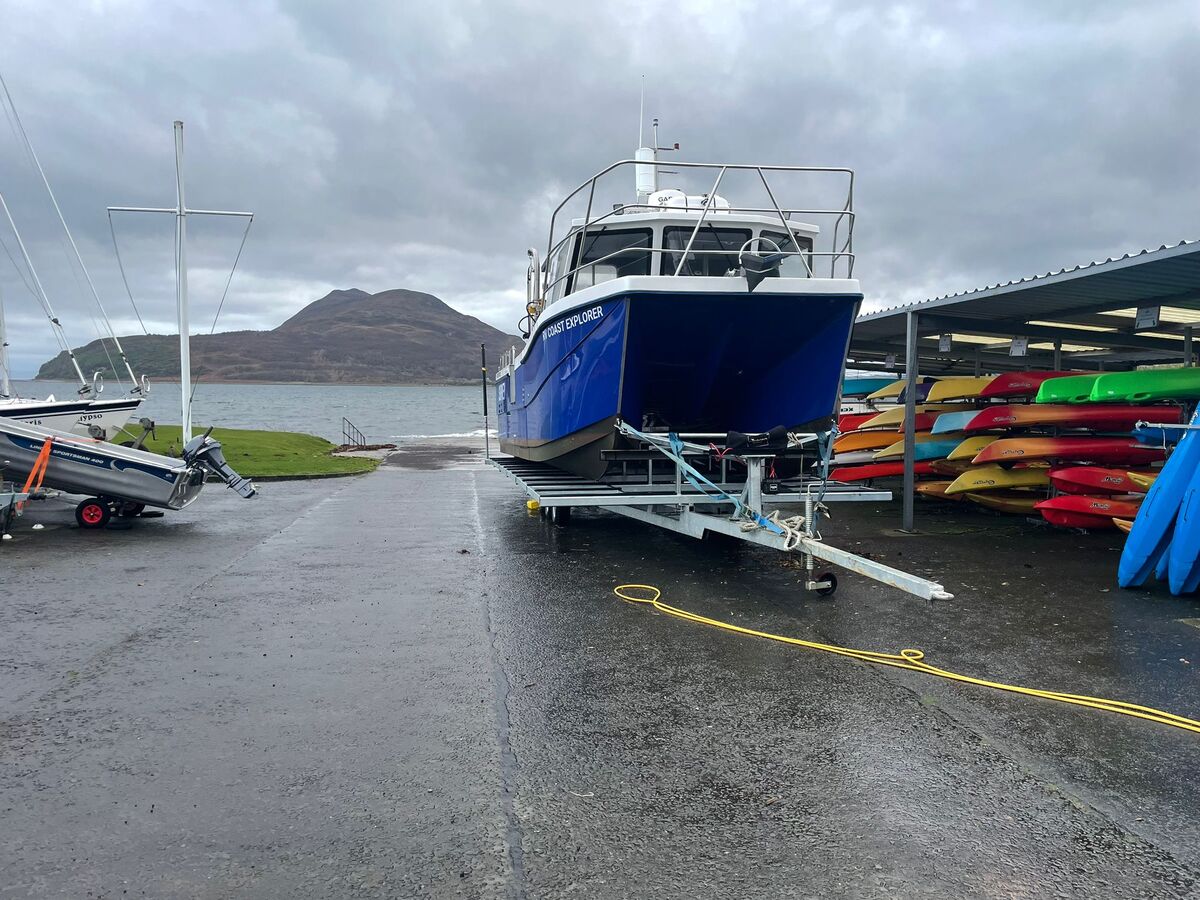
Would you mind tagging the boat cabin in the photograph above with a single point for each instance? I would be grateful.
(653, 238)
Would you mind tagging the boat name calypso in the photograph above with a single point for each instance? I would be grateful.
(580, 318)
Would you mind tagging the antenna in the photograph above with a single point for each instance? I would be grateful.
(642, 112)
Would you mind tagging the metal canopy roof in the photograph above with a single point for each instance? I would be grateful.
(1089, 310)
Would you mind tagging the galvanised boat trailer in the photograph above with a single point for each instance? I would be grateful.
(680, 497)
(116, 480)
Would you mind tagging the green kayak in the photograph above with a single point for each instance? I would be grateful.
(1147, 385)
(1068, 389)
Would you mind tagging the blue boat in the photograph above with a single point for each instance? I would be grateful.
(861, 385)
(679, 313)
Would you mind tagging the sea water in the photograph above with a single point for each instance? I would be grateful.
(384, 413)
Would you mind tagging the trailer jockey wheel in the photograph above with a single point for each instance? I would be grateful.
(831, 580)
(130, 510)
(92, 513)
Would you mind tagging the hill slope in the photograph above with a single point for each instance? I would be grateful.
(393, 337)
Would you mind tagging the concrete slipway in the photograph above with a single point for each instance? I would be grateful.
(401, 685)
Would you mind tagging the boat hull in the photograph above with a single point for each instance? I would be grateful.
(689, 363)
(73, 416)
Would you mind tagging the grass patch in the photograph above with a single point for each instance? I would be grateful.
(262, 454)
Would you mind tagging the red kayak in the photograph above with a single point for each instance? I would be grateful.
(852, 421)
(1019, 384)
(1118, 450)
(1076, 511)
(1110, 417)
(877, 470)
(1094, 480)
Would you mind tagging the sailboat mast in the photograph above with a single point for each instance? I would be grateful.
(55, 325)
(20, 128)
(5, 387)
(181, 288)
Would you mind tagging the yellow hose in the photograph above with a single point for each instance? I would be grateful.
(912, 660)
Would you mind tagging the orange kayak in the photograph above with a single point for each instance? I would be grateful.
(1110, 417)
(1078, 449)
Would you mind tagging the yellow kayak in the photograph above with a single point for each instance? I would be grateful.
(1125, 525)
(894, 417)
(966, 388)
(894, 389)
(936, 489)
(1142, 480)
(1016, 502)
(995, 478)
(971, 446)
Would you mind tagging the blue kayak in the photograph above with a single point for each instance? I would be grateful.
(860, 387)
(953, 421)
(1150, 536)
(1185, 546)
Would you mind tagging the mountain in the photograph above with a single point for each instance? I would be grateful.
(346, 337)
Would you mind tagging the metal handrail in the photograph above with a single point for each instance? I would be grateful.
(724, 210)
(351, 434)
(652, 250)
(841, 248)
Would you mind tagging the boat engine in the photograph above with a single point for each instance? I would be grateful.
(205, 451)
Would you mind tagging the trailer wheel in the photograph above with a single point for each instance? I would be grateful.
(130, 509)
(92, 513)
(832, 579)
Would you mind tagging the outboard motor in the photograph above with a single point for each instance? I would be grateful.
(206, 452)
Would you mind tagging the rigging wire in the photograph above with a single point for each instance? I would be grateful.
(121, 265)
(225, 294)
(32, 154)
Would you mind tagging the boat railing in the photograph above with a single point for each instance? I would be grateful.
(805, 256)
(842, 237)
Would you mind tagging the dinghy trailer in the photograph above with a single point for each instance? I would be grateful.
(116, 481)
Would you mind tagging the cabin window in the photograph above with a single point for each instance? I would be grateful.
(792, 266)
(714, 252)
(554, 272)
(607, 254)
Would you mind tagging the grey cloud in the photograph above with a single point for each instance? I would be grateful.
(421, 145)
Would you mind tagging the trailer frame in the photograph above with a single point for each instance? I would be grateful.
(682, 507)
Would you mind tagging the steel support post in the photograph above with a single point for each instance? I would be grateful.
(911, 365)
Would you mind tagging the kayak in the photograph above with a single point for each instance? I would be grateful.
(860, 387)
(1123, 525)
(853, 421)
(1075, 511)
(937, 489)
(951, 469)
(893, 388)
(1068, 389)
(994, 478)
(971, 446)
(952, 421)
(1099, 418)
(958, 388)
(877, 470)
(1147, 385)
(863, 440)
(854, 458)
(924, 450)
(1094, 480)
(1143, 480)
(923, 390)
(1184, 566)
(1019, 384)
(1075, 449)
(1016, 502)
(894, 417)
(1151, 534)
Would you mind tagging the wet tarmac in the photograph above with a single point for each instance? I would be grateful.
(404, 685)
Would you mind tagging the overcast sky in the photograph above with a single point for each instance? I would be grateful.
(422, 145)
